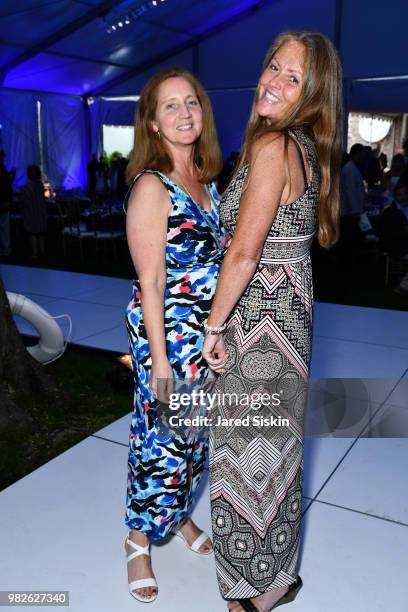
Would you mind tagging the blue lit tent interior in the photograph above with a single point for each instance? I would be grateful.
(63, 63)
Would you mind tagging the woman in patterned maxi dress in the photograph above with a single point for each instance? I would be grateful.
(177, 244)
(279, 197)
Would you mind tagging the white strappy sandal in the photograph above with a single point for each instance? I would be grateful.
(144, 582)
(195, 546)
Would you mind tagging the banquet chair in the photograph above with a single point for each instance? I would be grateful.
(108, 231)
(394, 268)
(74, 230)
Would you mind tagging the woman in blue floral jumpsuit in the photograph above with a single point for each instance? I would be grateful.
(174, 234)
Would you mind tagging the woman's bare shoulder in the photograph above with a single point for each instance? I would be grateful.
(267, 149)
(269, 144)
(148, 188)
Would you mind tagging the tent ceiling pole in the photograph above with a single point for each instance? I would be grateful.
(75, 56)
(338, 18)
(82, 58)
(161, 57)
(404, 131)
(391, 77)
(68, 29)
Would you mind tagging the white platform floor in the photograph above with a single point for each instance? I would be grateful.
(61, 527)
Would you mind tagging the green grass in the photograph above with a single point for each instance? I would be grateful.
(90, 405)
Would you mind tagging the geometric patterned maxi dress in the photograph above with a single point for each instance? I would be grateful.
(159, 490)
(256, 469)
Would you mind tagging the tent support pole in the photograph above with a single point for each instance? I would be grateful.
(88, 135)
(404, 131)
(347, 83)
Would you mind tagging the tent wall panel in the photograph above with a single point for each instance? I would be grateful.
(8, 52)
(117, 112)
(234, 56)
(373, 41)
(227, 62)
(18, 117)
(231, 111)
(108, 112)
(64, 141)
(222, 63)
(45, 72)
(389, 96)
(33, 21)
(135, 84)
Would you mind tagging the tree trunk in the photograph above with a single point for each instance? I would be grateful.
(21, 376)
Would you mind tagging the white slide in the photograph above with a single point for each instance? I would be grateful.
(51, 343)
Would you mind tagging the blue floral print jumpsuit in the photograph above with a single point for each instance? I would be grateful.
(159, 489)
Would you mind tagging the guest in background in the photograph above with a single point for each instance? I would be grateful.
(91, 171)
(405, 149)
(351, 183)
(121, 187)
(6, 197)
(383, 162)
(344, 159)
(393, 228)
(102, 177)
(227, 171)
(373, 171)
(355, 226)
(33, 211)
(113, 173)
(396, 171)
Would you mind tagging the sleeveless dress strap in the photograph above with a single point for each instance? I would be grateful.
(302, 161)
(145, 171)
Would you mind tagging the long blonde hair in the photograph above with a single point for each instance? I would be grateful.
(319, 112)
(149, 151)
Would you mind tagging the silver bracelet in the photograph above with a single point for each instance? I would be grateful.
(213, 330)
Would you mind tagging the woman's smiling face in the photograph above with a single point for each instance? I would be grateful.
(281, 82)
(179, 117)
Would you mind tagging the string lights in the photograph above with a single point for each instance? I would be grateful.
(130, 16)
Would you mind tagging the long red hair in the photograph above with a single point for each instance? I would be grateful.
(150, 152)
